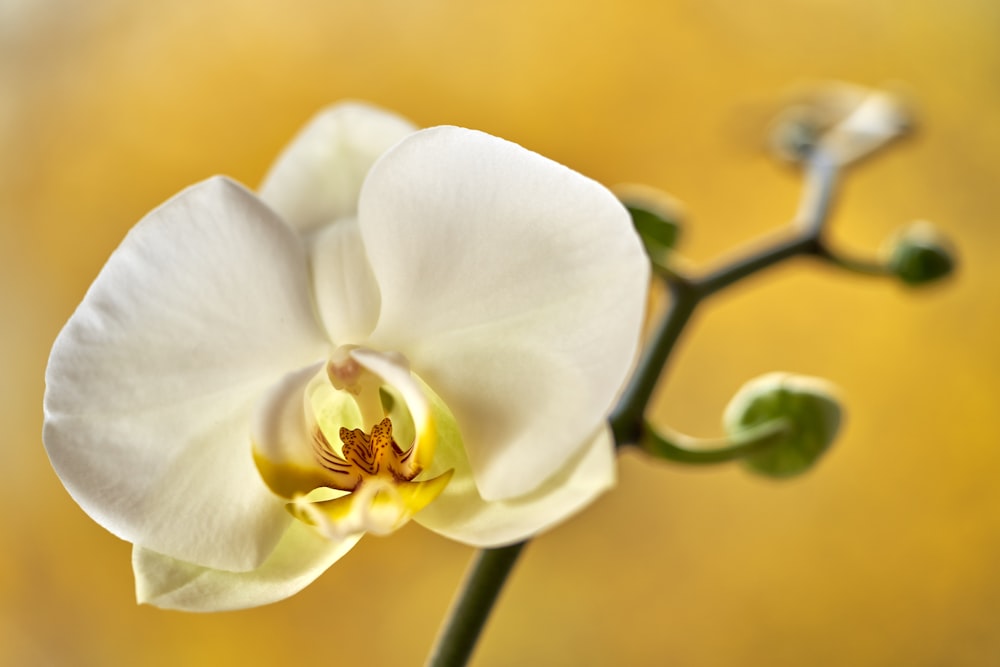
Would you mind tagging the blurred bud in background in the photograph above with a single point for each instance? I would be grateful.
(919, 254)
(809, 407)
(848, 122)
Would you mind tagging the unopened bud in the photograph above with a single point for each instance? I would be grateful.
(878, 119)
(809, 408)
(847, 122)
(920, 254)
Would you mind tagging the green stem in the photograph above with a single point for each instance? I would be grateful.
(472, 606)
(814, 210)
(681, 448)
(491, 568)
(805, 243)
(865, 267)
(687, 293)
(627, 418)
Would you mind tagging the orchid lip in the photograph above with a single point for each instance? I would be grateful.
(329, 442)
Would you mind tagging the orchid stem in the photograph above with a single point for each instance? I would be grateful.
(687, 293)
(673, 446)
(627, 418)
(472, 606)
(490, 569)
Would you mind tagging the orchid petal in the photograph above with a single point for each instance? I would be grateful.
(347, 296)
(461, 514)
(152, 383)
(300, 557)
(515, 286)
(318, 176)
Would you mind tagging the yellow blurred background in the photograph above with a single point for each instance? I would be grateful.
(886, 554)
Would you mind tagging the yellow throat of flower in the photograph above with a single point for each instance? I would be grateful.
(366, 482)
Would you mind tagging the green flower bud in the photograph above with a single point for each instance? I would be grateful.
(656, 215)
(920, 254)
(807, 406)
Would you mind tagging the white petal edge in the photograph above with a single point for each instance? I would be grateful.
(461, 514)
(300, 557)
(317, 177)
(152, 383)
(515, 286)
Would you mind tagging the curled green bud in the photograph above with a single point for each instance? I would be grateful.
(809, 408)
(656, 215)
(919, 254)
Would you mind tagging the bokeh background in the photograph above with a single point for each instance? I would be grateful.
(886, 554)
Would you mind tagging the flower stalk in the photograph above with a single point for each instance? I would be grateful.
(682, 448)
(473, 604)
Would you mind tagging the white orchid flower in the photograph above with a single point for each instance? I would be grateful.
(403, 324)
